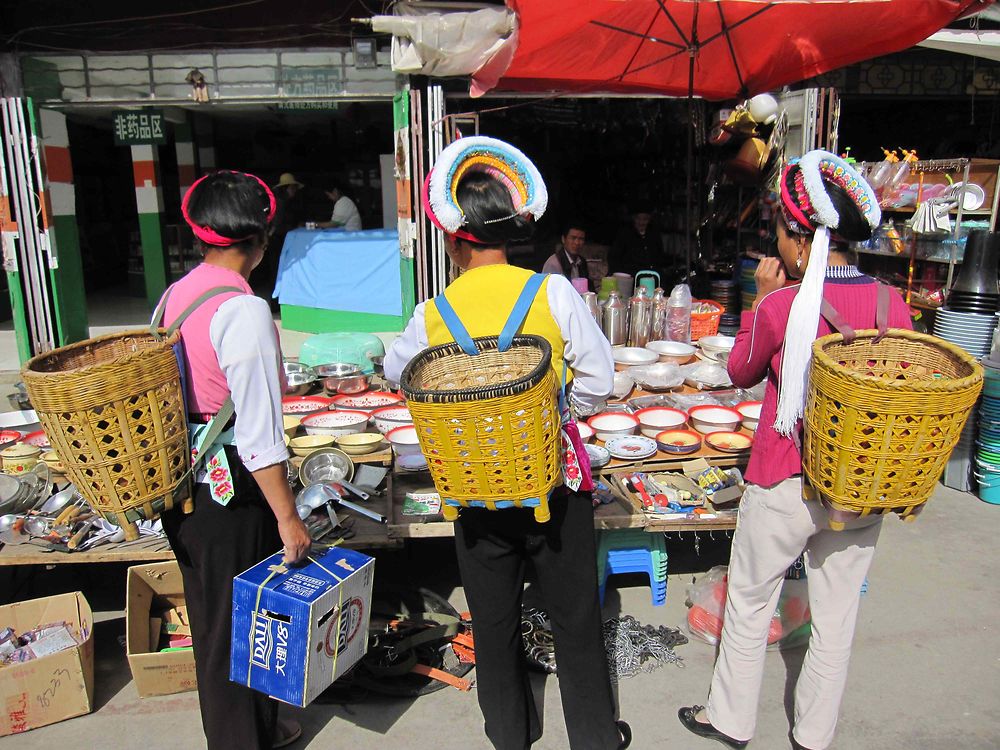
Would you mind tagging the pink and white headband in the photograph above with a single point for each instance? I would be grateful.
(208, 235)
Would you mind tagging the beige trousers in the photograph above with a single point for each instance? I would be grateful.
(775, 526)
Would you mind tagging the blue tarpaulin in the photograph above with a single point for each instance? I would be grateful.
(338, 270)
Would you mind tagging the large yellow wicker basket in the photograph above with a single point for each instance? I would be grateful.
(882, 418)
(488, 424)
(113, 410)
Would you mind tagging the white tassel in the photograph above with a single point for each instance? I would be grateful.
(800, 332)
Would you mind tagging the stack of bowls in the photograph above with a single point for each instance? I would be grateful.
(748, 285)
(727, 294)
(987, 469)
(971, 331)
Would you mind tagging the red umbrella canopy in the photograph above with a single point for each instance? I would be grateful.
(739, 47)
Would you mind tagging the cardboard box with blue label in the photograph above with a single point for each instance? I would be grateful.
(297, 629)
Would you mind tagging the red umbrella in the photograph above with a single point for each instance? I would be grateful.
(716, 49)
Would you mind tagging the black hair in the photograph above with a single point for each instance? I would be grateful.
(572, 224)
(337, 184)
(234, 205)
(489, 211)
(854, 227)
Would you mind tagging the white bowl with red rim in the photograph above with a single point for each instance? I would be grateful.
(612, 424)
(656, 419)
(708, 419)
(678, 442)
(339, 422)
(750, 411)
(38, 438)
(387, 418)
(586, 431)
(366, 401)
(404, 440)
(301, 405)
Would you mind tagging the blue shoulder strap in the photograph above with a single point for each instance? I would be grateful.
(520, 311)
(454, 325)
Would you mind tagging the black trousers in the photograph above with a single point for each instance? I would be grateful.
(214, 544)
(493, 548)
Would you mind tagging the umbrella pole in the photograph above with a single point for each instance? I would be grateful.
(690, 164)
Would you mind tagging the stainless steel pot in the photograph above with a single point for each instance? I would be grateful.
(342, 377)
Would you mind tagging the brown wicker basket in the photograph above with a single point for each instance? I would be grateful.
(489, 424)
(882, 419)
(113, 409)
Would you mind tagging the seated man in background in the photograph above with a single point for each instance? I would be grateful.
(567, 259)
(345, 212)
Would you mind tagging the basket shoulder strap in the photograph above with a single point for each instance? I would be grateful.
(161, 307)
(882, 311)
(216, 426)
(455, 326)
(202, 299)
(837, 322)
(520, 311)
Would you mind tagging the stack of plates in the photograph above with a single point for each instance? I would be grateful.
(748, 286)
(971, 331)
(973, 302)
(727, 294)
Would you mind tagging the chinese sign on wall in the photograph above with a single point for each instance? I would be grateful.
(139, 127)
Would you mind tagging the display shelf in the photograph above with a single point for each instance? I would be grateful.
(902, 256)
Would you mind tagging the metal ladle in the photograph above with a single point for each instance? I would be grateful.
(57, 502)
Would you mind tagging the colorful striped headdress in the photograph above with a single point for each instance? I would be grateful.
(811, 210)
(506, 164)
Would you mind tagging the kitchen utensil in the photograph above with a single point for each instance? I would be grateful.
(640, 317)
(298, 383)
(404, 440)
(599, 455)
(58, 501)
(19, 458)
(81, 534)
(586, 431)
(654, 420)
(608, 425)
(634, 355)
(302, 405)
(729, 442)
(378, 363)
(662, 376)
(326, 465)
(354, 489)
(614, 319)
(676, 352)
(716, 345)
(621, 385)
(306, 444)
(678, 442)
(389, 418)
(359, 443)
(631, 447)
(367, 402)
(412, 462)
(750, 411)
(636, 484)
(709, 419)
(335, 423)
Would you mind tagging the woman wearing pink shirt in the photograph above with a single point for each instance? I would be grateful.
(244, 510)
(824, 204)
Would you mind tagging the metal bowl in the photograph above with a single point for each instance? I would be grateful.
(347, 385)
(378, 362)
(337, 369)
(292, 367)
(298, 383)
(326, 465)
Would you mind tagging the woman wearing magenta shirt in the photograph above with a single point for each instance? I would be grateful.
(246, 511)
(824, 204)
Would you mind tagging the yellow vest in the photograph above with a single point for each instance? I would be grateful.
(483, 298)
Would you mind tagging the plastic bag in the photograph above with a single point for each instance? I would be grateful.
(790, 626)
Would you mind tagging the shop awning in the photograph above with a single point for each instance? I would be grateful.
(984, 44)
(716, 49)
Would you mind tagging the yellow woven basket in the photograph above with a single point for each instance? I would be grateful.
(882, 419)
(489, 424)
(113, 410)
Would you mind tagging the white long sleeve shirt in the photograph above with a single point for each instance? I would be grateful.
(244, 338)
(586, 349)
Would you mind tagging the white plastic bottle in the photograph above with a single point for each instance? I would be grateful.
(679, 314)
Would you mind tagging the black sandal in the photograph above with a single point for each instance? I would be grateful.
(704, 729)
(626, 732)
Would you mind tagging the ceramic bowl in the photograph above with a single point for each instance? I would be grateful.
(340, 422)
(634, 355)
(404, 440)
(599, 456)
(303, 446)
(656, 419)
(52, 460)
(302, 405)
(729, 442)
(676, 352)
(411, 462)
(359, 443)
(367, 402)
(750, 411)
(38, 438)
(716, 345)
(708, 419)
(388, 418)
(612, 424)
(678, 442)
(8, 437)
(586, 431)
(326, 465)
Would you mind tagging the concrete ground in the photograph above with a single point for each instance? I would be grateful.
(925, 673)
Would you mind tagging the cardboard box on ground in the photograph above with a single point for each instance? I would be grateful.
(54, 687)
(155, 593)
(297, 629)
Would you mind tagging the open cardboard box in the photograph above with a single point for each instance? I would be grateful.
(54, 687)
(151, 590)
(726, 497)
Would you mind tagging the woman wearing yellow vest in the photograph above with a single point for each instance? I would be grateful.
(484, 193)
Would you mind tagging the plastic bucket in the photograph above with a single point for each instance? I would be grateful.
(989, 484)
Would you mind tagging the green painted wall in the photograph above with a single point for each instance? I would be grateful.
(154, 257)
(19, 316)
(69, 296)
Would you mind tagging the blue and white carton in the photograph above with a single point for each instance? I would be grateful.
(297, 629)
